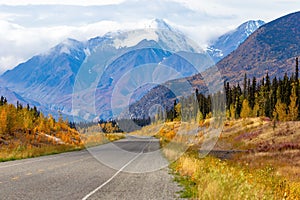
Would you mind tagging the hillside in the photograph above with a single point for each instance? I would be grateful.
(272, 48)
(26, 132)
(228, 42)
(51, 78)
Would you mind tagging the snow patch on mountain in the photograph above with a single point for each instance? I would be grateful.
(87, 52)
(132, 38)
(154, 30)
(160, 24)
(65, 50)
(230, 41)
(49, 78)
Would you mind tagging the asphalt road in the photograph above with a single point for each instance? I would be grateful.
(132, 168)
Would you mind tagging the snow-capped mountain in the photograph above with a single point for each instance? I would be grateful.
(75, 67)
(156, 30)
(48, 75)
(230, 41)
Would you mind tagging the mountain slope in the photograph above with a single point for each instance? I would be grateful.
(13, 97)
(46, 76)
(272, 48)
(98, 64)
(230, 41)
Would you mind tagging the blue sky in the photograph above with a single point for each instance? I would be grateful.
(30, 27)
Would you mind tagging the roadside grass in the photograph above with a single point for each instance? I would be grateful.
(268, 169)
(29, 151)
(23, 146)
(150, 130)
(97, 138)
(212, 178)
(115, 136)
(268, 145)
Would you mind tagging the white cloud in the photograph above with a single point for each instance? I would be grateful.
(255, 9)
(60, 2)
(29, 30)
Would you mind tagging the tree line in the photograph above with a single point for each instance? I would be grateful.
(19, 119)
(277, 99)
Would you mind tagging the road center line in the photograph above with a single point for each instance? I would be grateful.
(111, 178)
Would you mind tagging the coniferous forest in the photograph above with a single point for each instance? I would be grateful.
(276, 98)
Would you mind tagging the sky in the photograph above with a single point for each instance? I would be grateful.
(31, 27)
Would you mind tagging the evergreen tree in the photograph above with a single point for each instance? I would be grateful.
(174, 110)
(261, 100)
(273, 97)
(286, 89)
(248, 89)
(297, 72)
(252, 93)
(268, 83)
(245, 86)
(238, 106)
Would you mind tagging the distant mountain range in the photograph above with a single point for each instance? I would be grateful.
(90, 71)
(99, 64)
(271, 49)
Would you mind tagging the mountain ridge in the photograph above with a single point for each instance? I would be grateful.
(271, 49)
(230, 41)
(49, 78)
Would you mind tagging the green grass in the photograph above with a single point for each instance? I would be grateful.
(190, 187)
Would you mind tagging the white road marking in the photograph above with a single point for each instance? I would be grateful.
(111, 178)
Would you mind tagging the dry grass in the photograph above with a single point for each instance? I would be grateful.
(23, 145)
(29, 151)
(217, 179)
(150, 130)
(114, 136)
(268, 169)
(267, 145)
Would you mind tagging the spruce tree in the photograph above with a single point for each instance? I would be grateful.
(268, 82)
(297, 71)
(245, 86)
(252, 93)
